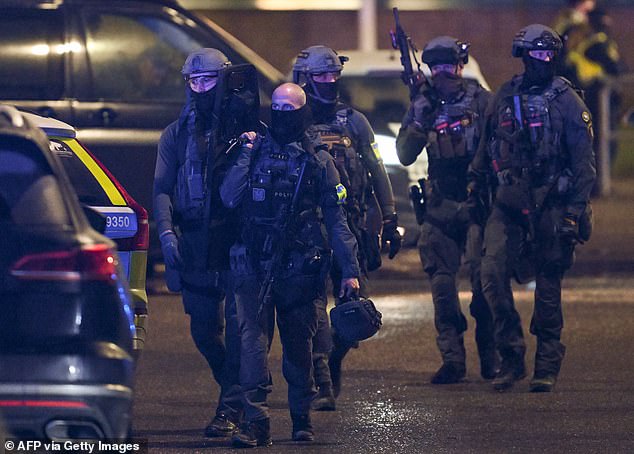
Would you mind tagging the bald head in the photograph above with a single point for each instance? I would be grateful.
(288, 96)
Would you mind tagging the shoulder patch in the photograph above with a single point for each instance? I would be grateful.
(375, 149)
(342, 194)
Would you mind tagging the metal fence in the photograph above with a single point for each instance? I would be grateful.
(605, 126)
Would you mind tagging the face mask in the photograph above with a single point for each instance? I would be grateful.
(449, 85)
(537, 72)
(288, 125)
(327, 91)
(322, 112)
(205, 101)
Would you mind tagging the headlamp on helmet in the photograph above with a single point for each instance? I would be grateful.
(536, 37)
(446, 50)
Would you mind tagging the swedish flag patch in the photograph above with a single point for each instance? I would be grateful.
(342, 194)
(375, 149)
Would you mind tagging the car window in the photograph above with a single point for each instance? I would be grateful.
(29, 193)
(31, 51)
(88, 189)
(130, 60)
(381, 99)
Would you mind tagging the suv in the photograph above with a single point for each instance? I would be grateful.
(112, 70)
(66, 367)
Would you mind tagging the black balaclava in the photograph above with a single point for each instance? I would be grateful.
(329, 91)
(289, 125)
(449, 85)
(204, 103)
(537, 72)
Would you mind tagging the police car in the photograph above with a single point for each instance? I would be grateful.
(126, 222)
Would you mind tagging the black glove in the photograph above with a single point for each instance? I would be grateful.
(391, 234)
(169, 246)
(474, 205)
(423, 108)
(569, 229)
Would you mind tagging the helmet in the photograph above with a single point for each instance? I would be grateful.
(204, 60)
(445, 50)
(356, 320)
(316, 60)
(536, 37)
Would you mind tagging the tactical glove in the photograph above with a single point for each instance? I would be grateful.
(423, 108)
(391, 234)
(169, 246)
(569, 229)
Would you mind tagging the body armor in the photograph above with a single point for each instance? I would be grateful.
(452, 144)
(524, 140)
(340, 138)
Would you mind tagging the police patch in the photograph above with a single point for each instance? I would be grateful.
(342, 194)
(585, 116)
(375, 149)
(259, 194)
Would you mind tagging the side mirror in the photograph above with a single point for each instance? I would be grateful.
(95, 218)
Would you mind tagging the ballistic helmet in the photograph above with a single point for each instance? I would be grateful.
(316, 60)
(205, 60)
(356, 320)
(445, 50)
(536, 37)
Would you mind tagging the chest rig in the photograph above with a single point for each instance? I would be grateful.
(341, 140)
(273, 180)
(453, 141)
(525, 141)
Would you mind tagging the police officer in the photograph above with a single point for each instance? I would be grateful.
(350, 140)
(189, 213)
(285, 189)
(537, 149)
(446, 118)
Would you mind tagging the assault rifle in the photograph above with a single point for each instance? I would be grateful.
(280, 242)
(404, 44)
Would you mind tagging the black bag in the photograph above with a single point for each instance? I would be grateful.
(356, 320)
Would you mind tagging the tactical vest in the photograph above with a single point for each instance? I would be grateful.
(341, 139)
(524, 142)
(273, 178)
(190, 193)
(453, 142)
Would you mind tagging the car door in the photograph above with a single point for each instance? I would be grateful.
(34, 51)
(128, 86)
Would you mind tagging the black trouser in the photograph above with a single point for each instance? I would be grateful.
(440, 253)
(214, 330)
(504, 240)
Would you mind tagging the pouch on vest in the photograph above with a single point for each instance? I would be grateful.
(302, 277)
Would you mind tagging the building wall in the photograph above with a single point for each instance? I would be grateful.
(279, 35)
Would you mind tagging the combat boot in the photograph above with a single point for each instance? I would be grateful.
(449, 373)
(488, 363)
(542, 383)
(302, 428)
(325, 399)
(252, 434)
(511, 371)
(221, 426)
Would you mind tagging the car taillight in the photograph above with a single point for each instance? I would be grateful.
(96, 262)
(141, 240)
